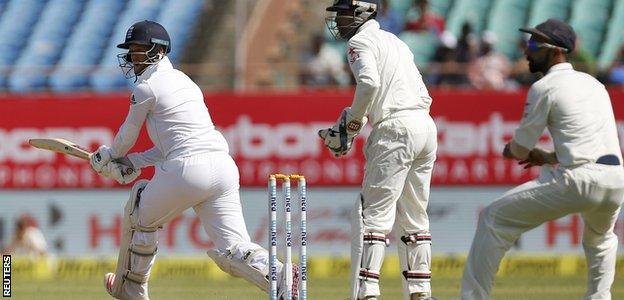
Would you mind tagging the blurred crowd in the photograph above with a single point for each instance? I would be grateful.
(27, 239)
(469, 60)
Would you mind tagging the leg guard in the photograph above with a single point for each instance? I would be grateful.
(248, 261)
(136, 253)
(367, 254)
(415, 258)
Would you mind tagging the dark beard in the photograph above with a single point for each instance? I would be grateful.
(347, 32)
(540, 65)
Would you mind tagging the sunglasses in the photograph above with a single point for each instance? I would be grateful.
(535, 46)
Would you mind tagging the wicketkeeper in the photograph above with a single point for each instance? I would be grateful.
(400, 151)
(193, 169)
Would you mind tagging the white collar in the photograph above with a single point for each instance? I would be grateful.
(163, 64)
(368, 24)
(560, 67)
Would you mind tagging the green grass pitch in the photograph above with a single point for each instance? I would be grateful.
(509, 288)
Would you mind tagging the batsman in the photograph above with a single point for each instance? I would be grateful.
(400, 151)
(193, 170)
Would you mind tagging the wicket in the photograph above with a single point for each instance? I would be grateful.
(301, 188)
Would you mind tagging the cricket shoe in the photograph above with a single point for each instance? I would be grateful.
(281, 290)
(109, 280)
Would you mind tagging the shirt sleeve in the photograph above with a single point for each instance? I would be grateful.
(145, 159)
(534, 119)
(364, 67)
(141, 104)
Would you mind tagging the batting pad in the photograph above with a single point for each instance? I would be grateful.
(367, 254)
(415, 260)
(136, 252)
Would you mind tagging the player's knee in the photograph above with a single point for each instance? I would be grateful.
(595, 239)
(139, 219)
(486, 215)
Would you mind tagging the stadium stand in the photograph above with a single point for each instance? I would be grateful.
(70, 45)
(614, 37)
(506, 17)
(42, 50)
(545, 9)
(106, 76)
(86, 45)
(472, 11)
(16, 25)
(589, 21)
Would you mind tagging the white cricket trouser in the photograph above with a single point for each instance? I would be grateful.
(209, 183)
(594, 190)
(400, 153)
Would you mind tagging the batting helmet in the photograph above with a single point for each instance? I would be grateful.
(147, 33)
(349, 4)
(363, 10)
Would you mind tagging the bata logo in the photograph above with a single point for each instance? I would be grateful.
(14, 147)
(284, 140)
(470, 138)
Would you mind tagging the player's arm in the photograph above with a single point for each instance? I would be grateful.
(534, 121)
(142, 102)
(514, 151)
(339, 138)
(146, 158)
(364, 67)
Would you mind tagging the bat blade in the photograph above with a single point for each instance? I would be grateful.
(61, 146)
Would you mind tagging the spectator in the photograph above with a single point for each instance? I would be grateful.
(389, 19)
(491, 70)
(422, 18)
(28, 239)
(615, 75)
(467, 45)
(445, 71)
(322, 65)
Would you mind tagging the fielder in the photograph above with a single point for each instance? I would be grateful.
(583, 175)
(400, 151)
(193, 169)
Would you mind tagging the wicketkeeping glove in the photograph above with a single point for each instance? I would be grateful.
(339, 138)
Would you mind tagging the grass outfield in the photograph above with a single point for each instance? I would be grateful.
(507, 288)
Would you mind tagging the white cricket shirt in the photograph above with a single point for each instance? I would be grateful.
(387, 78)
(577, 110)
(178, 122)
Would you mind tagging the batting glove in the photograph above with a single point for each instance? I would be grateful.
(122, 170)
(101, 158)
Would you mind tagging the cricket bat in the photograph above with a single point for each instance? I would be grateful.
(69, 148)
(61, 146)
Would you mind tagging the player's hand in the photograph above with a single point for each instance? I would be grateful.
(538, 157)
(101, 158)
(331, 137)
(507, 151)
(339, 138)
(122, 170)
